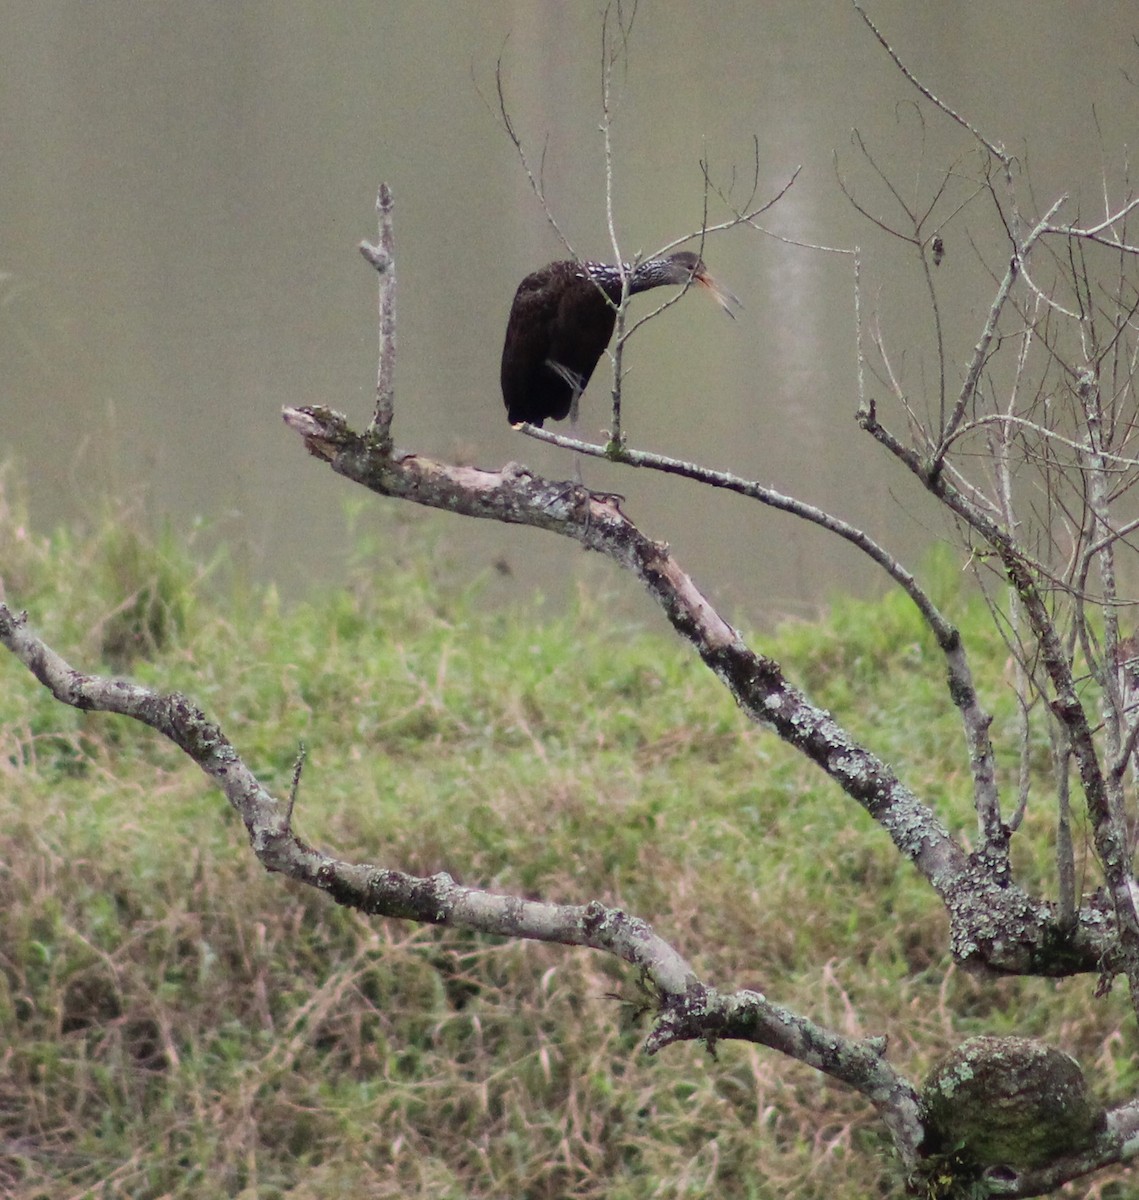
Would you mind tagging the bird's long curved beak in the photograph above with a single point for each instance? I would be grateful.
(726, 300)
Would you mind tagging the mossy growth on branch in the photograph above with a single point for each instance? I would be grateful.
(995, 1100)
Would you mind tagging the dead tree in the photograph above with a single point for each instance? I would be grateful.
(1031, 453)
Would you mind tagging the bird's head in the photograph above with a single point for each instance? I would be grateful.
(686, 265)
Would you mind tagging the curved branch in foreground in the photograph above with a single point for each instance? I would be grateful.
(994, 923)
(687, 1007)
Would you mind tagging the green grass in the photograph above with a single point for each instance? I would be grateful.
(176, 1023)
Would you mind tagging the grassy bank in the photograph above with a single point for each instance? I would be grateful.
(176, 1023)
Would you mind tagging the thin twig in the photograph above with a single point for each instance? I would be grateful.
(991, 147)
(944, 632)
(535, 181)
(294, 789)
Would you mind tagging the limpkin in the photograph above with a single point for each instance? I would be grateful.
(561, 321)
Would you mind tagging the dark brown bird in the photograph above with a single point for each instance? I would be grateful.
(561, 321)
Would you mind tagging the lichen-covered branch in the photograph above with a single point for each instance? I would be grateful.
(974, 719)
(687, 1008)
(1118, 1142)
(994, 923)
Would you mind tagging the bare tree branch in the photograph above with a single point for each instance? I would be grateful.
(991, 147)
(687, 1007)
(1110, 844)
(536, 183)
(382, 257)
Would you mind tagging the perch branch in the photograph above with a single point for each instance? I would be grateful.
(983, 913)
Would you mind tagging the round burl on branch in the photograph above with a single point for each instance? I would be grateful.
(1010, 1100)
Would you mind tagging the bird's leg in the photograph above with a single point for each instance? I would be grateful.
(577, 386)
(575, 405)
